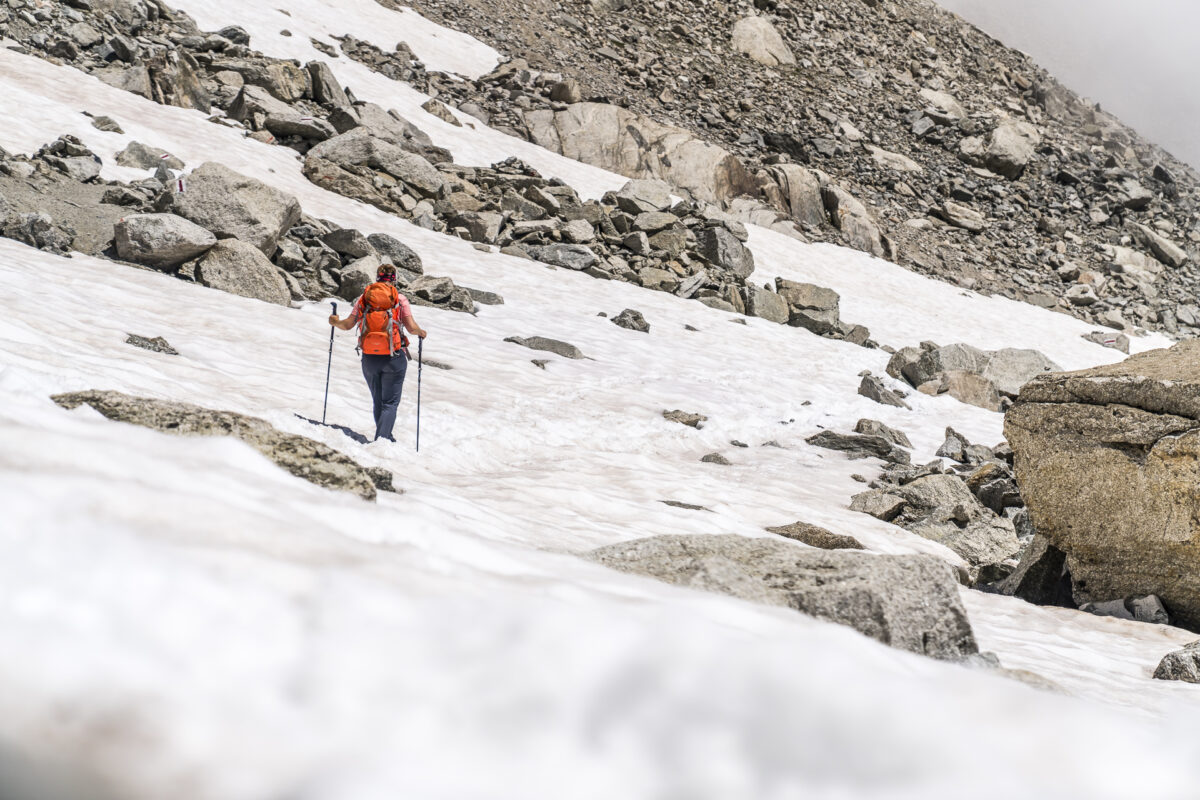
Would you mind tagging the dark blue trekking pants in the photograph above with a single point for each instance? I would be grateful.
(385, 377)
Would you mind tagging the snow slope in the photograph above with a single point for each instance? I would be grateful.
(205, 625)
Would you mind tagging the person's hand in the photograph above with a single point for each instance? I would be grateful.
(422, 333)
(334, 319)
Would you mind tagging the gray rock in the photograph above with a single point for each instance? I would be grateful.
(910, 602)
(156, 345)
(762, 302)
(349, 242)
(84, 169)
(639, 196)
(723, 250)
(654, 221)
(692, 420)
(812, 307)
(716, 458)
(549, 345)
(851, 217)
(857, 445)
(569, 256)
(485, 298)
(356, 276)
(252, 101)
(1041, 576)
(1011, 368)
(873, 388)
(962, 216)
(631, 319)
(140, 156)
(325, 86)
(816, 536)
(757, 38)
(1116, 446)
(873, 427)
(307, 127)
(302, 457)
(482, 226)
(360, 147)
(1181, 665)
(232, 205)
(801, 190)
(932, 363)
(1163, 248)
(578, 231)
(103, 123)
(393, 251)
(160, 240)
(240, 268)
(38, 230)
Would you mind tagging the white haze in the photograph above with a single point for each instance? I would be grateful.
(1137, 59)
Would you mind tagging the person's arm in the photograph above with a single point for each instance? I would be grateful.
(342, 324)
(411, 324)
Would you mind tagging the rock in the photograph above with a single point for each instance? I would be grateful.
(801, 189)
(235, 34)
(240, 268)
(954, 447)
(757, 38)
(852, 218)
(134, 79)
(103, 123)
(857, 445)
(910, 602)
(1081, 294)
(325, 87)
(83, 169)
(881, 504)
(232, 205)
(485, 298)
(901, 359)
(1181, 665)
(639, 196)
(441, 111)
(307, 127)
(1116, 446)
(567, 91)
(252, 101)
(619, 140)
(1116, 341)
(654, 221)
(816, 536)
(431, 290)
(1011, 368)
(762, 302)
(393, 251)
(961, 216)
(933, 362)
(1164, 249)
(349, 242)
(942, 509)
(568, 256)
(578, 231)
(893, 161)
(945, 104)
(812, 307)
(160, 240)
(142, 156)
(631, 319)
(685, 418)
(38, 230)
(722, 249)
(302, 457)
(873, 427)
(966, 387)
(1041, 576)
(359, 147)
(1010, 148)
(1148, 609)
(156, 345)
(872, 388)
(550, 345)
(716, 458)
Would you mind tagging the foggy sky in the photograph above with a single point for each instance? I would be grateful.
(1138, 58)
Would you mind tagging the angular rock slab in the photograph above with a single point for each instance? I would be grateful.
(302, 457)
(240, 268)
(1181, 665)
(910, 602)
(1108, 461)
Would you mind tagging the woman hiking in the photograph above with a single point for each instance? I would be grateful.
(382, 314)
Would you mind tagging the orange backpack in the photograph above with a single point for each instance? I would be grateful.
(380, 331)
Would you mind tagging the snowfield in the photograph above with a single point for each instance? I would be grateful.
(181, 618)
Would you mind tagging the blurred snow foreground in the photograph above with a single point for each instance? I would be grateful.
(180, 617)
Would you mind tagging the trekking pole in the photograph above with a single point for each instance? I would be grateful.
(328, 367)
(420, 363)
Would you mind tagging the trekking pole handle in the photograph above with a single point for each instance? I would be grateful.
(334, 307)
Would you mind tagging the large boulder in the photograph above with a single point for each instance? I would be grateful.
(907, 601)
(1006, 151)
(1180, 665)
(302, 457)
(801, 191)
(851, 217)
(1108, 461)
(233, 206)
(160, 240)
(608, 136)
(360, 147)
(723, 250)
(758, 39)
(812, 307)
(240, 268)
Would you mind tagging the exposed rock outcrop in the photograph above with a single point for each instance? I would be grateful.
(1107, 461)
(910, 602)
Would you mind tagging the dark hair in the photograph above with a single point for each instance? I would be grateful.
(386, 272)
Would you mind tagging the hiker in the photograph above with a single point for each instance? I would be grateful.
(379, 311)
